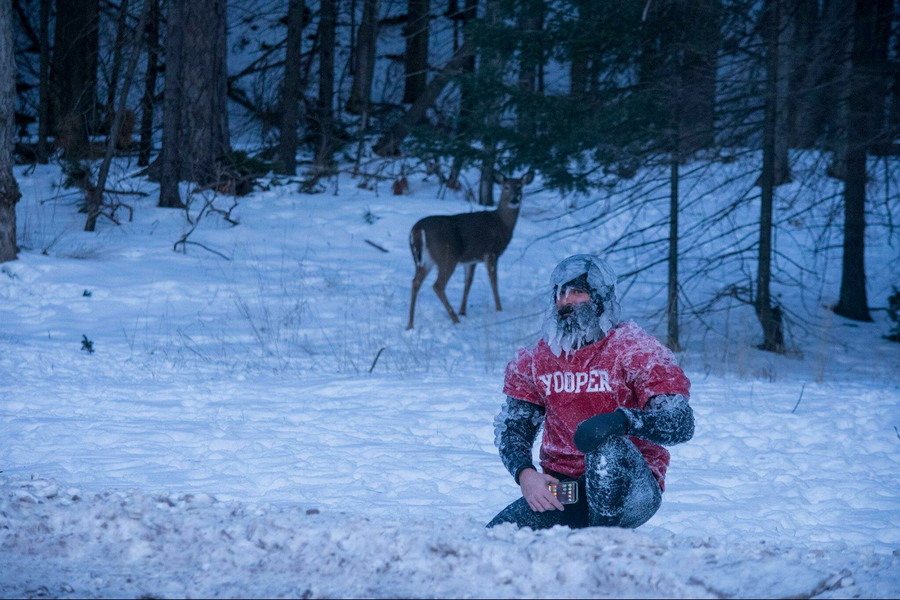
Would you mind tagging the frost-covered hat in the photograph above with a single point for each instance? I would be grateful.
(593, 275)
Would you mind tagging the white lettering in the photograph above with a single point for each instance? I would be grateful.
(580, 380)
(593, 381)
(569, 379)
(604, 380)
(546, 379)
(558, 382)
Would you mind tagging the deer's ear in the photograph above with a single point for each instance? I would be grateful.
(499, 179)
(528, 177)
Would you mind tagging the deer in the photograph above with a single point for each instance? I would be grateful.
(467, 239)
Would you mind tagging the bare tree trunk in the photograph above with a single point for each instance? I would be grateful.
(195, 116)
(838, 101)
(148, 100)
(578, 67)
(95, 196)
(893, 116)
(416, 49)
(531, 56)
(486, 180)
(467, 97)
(883, 135)
(853, 302)
(769, 315)
(9, 189)
(492, 70)
(784, 24)
(327, 26)
(810, 64)
(290, 90)
(43, 147)
(822, 99)
(109, 105)
(73, 74)
(365, 59)
(672, 337)
(698, 75)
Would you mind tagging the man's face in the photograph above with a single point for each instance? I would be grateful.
(569, 299)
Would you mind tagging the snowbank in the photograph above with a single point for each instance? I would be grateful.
(59, 543)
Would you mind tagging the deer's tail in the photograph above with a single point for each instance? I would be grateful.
(417, 245)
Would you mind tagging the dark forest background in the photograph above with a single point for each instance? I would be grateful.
(585, 92)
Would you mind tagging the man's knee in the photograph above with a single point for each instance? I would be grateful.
(621, 489)
(616, 458)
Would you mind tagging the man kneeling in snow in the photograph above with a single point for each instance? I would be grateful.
(608, 394)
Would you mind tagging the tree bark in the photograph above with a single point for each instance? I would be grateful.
(148, 100)
(361, 91)
(853, 302)
(784, 23)
(43, 144)
(95, 195)
(531, 58)
(769, 316)
(883, 136)
(195, 116)
(672, 336)
(116, 66)
(697, 91)
(810, 63)
(9, 189)
(580, 56)
(416, 33)
(838, 85)
(491, 69)
(467, 98)
(290, 90)
(327, 26)
(893, 116)
(73, 75)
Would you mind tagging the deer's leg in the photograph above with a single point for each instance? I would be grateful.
(470, 273)
(491, 263)
(418, 278)
(443, 277)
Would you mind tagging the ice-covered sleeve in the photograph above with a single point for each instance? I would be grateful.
(667, 419)
(515, 429)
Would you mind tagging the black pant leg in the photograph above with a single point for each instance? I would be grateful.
(521, 514)
(621, 489)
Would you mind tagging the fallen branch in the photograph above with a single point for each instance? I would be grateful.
(185, 242)
(376, 359)
(374, 245)
(799, 399)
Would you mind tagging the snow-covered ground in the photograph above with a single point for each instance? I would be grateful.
(256, 421)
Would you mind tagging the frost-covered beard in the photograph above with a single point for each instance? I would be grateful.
(589, 321)
(571, 327)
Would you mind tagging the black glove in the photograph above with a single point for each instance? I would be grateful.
(592, 432)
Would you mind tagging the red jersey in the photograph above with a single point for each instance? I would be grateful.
(626, 368)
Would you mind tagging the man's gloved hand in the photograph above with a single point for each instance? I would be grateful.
(592, 432)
